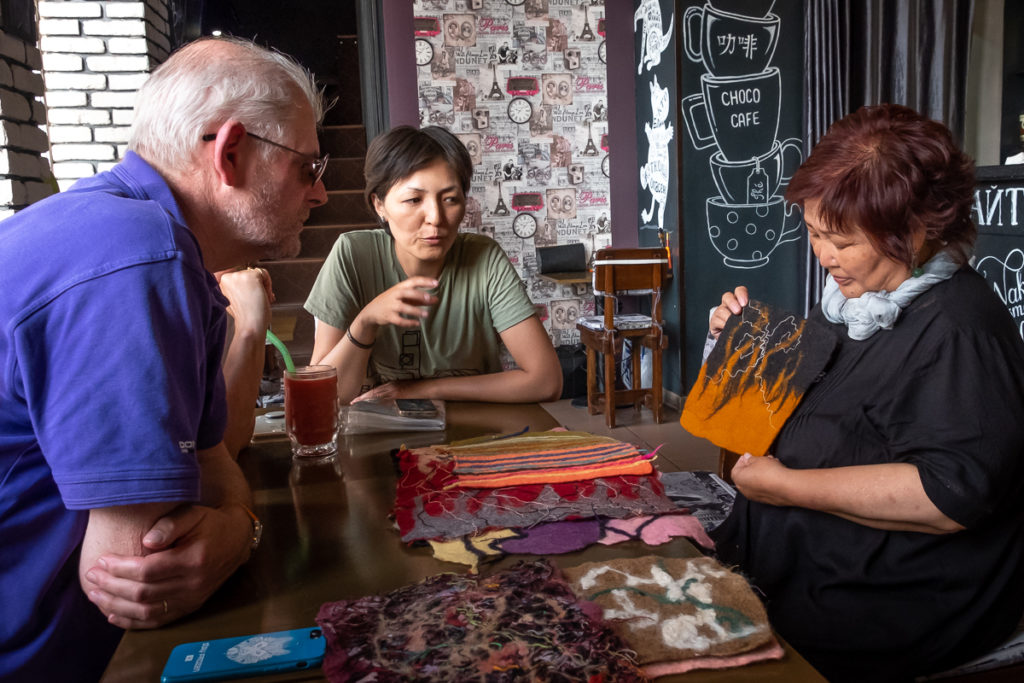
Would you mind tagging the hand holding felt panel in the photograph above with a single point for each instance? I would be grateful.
(754, 378)
(761, 479)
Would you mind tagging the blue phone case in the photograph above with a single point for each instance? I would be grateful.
(263, 653)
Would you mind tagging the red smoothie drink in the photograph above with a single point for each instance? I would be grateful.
(311, 409)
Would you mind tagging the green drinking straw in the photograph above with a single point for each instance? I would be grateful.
(288, 364)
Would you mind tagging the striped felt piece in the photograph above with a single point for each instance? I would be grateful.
(545, 457)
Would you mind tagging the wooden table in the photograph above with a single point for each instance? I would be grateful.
(327, 537)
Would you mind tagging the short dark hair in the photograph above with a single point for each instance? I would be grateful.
(403, 150)
(887, 169)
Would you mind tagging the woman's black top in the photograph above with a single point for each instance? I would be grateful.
(942, 390)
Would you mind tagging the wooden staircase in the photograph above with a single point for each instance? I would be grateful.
(344, 138)
(345, 210)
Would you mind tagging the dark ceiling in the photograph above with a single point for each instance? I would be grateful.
(320, 34)
(309, 30)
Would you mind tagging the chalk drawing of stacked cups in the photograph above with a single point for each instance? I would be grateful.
(737, 111)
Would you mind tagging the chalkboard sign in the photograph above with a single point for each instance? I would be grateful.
(999, 252)
(719, 89)
(740, 89)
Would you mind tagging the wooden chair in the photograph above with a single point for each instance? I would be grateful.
(621, 272)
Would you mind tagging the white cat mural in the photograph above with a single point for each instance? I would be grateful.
(654, 174)
(653, 41)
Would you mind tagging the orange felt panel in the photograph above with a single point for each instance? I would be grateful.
(754, 378)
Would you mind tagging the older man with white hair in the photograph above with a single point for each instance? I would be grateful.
(120, 505)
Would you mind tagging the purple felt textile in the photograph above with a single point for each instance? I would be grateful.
(554, 538)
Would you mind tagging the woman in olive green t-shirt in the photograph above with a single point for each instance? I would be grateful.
(419, 307)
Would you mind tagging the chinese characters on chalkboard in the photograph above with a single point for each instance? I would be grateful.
(737, 113)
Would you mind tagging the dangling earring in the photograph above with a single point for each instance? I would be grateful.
(915, 270)
(384, 223)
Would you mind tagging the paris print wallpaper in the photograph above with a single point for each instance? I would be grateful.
(523, 84)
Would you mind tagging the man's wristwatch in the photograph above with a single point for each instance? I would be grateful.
(257, 529)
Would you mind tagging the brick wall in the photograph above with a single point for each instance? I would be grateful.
(24, 173)
(95, 55)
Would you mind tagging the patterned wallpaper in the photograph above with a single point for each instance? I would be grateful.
(523, 84)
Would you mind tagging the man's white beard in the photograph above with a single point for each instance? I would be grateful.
(256, 223)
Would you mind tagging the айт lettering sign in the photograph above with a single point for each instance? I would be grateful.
(999, 253)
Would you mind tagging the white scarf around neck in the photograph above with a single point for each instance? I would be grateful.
(873, 311)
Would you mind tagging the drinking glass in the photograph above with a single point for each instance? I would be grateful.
(311, 410)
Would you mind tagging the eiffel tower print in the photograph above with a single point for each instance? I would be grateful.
(500, 209)
(496, 93)
(586, 33)
(591, 149)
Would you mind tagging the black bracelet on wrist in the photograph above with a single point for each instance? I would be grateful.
(359, 344)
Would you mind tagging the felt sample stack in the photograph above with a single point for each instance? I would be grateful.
(545, 458)
(533, 481)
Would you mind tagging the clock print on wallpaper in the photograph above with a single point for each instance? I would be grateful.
(520, 110)
(524, 225)
(424, 52)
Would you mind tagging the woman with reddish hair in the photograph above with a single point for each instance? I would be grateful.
(885, 528)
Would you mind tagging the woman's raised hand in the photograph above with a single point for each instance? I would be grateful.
(403, 305)
(732, 304)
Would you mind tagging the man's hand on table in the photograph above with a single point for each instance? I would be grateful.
(192, 551)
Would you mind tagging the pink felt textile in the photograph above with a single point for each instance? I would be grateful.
(767, 652)
(655, 531)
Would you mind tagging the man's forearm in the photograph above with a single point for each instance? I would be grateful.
(243, 370)
(222, 480)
